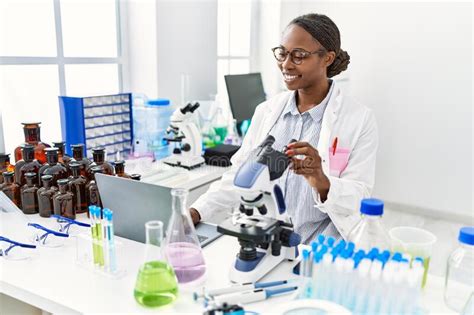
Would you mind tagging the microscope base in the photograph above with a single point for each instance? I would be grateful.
(188, 162)
(267, 264)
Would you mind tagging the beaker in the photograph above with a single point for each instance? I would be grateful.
(182, 248)
(156, 283)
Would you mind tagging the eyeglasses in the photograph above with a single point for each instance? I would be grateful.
(297, 55)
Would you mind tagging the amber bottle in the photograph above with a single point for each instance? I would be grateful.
(120, 169)
(27, 165)
(5, 165)
(63, 201)
(29, 196)
(78, 156)
(93, 197)
(33, 137)
(136, 176)
(77, 186)
(53, 167)
(11, 189)
(98, 155)
(62, 156)
(45, 196)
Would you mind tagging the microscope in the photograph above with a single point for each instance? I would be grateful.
(262, 226)
(187, 138)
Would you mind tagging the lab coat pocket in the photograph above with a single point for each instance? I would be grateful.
(338, 161)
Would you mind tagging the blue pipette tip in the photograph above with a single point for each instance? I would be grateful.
(321, 238)
(350, 246)
(404, 260)
(373, 253)
(397, 256)
(305, 254)
(314, 246)
(330, 241)
(419, 259)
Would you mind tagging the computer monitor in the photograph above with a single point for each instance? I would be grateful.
(245, 93)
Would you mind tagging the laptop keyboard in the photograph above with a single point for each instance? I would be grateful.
(202, 238)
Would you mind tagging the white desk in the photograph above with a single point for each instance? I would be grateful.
(55, 283)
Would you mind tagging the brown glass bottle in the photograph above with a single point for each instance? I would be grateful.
(11, 189)
(5, 165)
(53, 167)
(27, 165)
(120, 169)
(63, 201)
(33, 137)
(62, 156)
(78, 156)
(45, 196)
(29, 196)
(135, 176)
(93, 197)
(98, 155)
(77, 186)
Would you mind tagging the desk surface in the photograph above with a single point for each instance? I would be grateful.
(55, 283)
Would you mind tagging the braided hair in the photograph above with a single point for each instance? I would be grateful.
(323, 30)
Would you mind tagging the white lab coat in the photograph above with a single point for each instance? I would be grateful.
(354, 126)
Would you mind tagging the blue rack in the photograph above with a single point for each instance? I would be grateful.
(97, 121)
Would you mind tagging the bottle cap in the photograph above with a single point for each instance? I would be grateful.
(30, 123)
(97, 169)
(49, 151)
(120, 162)
(62, 182)
(46, 178)
(59, 144)
(305, 254)
(77, 146)
(74, 165)
(466, 235)
(135, 176)
(108, 214)
(98, 150)
(4, 157)
(8, 174)
(371, 206)
(30, 175)
(27, 147)
(159, 102)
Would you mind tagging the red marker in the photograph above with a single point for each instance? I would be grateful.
(334, 146)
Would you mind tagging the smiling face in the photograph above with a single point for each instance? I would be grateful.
(312, 70)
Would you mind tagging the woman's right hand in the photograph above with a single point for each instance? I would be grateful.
(195, 216)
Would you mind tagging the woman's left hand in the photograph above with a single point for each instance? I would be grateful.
(310, 166)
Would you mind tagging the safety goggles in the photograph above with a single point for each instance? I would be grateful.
(13, 250)
(70, 226)
(46, 237)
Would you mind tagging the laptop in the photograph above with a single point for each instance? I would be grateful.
(134, 203)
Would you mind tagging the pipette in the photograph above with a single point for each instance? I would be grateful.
(251, 296)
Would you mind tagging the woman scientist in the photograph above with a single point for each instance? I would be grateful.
(333, 160)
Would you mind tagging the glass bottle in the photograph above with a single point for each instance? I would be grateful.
(53, 167)
(77, 186)
(63, 201)
(32, 133)
(120, 169)
(182, 248)
(29, 196)
(156, 283)
(62, 156)
(208, 134)
(5, 165)
(45, 196)
(26, 165)
(459, 282)
(233, 135)
(11, 189)
(369, 232)
(78, 156)
(136, 176)
(220, 126)
(98, 155)
(92, 191)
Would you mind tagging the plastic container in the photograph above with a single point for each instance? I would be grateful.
(369, 232)
(459, 283)
(150, 120)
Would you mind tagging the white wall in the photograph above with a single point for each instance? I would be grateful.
(187, 43)
(412, 63)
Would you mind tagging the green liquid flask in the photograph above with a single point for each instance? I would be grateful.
(156, 283)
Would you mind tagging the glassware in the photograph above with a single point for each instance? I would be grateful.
(5, 165)
(63, 201)
(220, 126)
(460, 272)
(45, 196)
(208, 134)
(53, 167)
(370, 232)
(182, 248)
(120, 169)
(98, 155)
(26, 165)
(62, 157)
(77, 186)
(11, 189)
(29, 196)
(233, 135)
(32, 133)
(78, 156)
(156, 283)
(136, 177)
(92, 191)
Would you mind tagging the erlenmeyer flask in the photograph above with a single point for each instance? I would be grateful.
(182, 248)
(156, 281)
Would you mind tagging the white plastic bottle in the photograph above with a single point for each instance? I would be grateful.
(369, 231)
(459, 283)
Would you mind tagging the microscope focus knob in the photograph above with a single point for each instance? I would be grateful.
(186, 147)
(290, 238)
